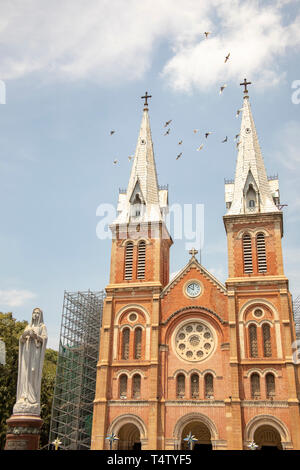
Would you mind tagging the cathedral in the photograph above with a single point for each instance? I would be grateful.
(191, 354)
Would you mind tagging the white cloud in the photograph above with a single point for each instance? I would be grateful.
(112, 39)
(15, 298)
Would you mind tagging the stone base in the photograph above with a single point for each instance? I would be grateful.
(23, 432)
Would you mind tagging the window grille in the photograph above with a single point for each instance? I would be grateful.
(180, 386)
(195, 386)
(125, 343)
(136, 386)
(128, 261)
(247, 250)
(267, 340)
(253, 341)
(141, 260)
(255, 386)
(138, 343)
(209, 385)
(270, 385)
(261, 253)
(123, 386)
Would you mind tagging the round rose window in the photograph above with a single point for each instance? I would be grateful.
(194, 341)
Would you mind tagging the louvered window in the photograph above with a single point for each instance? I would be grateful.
(138, 343)
(123, 386)
(195, 386)
(180, 389)
(247, 251)
(141, 260)
(125, 343)
(136, 386)
(255, 386)
(261, 253)
(128, 261)
(209, 386)
(253, 341)
(267, 340)
(270, 385)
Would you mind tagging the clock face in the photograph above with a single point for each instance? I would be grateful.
(193, 289)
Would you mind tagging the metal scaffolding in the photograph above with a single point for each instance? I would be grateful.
(296, 308)
(74, 392)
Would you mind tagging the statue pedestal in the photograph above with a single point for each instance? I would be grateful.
(23, 432)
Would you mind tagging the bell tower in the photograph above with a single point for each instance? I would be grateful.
(259, 301)
(128, 367)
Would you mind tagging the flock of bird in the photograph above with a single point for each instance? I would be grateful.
(167, 123)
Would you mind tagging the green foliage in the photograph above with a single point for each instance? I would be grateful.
(10, 332)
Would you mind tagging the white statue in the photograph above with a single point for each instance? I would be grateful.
(32, 346)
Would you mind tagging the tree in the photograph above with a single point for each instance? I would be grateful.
(10, 332)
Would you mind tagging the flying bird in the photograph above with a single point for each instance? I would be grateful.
(225, 140)
(195, 131)
(206, 33)
(180, 142)
(222, 88)
(130, 157)
(237, 135)
(167, 132)
(115, 161)
(227, 57)
(200, 147)
(238, 112)
(207, 134)
(178, 156)
(167, 123)
(112, 132)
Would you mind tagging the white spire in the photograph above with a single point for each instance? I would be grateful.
(251, 191)
(143, 201)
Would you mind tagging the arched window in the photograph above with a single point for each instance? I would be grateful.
(195, 386)
(253, 341)
(209, 386)
(125, 343)
(270, 385)
(261, 253)
(267, 340)
(255, 386)
(123, 386)
(247, 251)
(138, 343)
(128, 261)
(180, 386)
(141, 260)
(136, 386)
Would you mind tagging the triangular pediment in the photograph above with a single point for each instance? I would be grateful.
(194, 263)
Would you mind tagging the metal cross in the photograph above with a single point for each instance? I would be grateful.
(245, 83)
(146, 98)
(193, 252)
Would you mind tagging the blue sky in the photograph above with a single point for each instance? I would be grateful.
(74, 70)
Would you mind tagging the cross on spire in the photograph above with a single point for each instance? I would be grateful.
(245, 83)
(193, 252)
(146, 98)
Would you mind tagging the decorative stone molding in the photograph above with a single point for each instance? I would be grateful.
(22, 430)
(195, 308)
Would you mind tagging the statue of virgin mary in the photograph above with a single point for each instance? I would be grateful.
(32, 346)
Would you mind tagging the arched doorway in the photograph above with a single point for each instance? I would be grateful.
(201, 432)
(129, 437)
(267, 438)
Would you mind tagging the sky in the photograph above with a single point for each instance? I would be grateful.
(72, 71)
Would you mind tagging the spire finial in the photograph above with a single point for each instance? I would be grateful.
(146, 99)
(193, 252)
(245, 83)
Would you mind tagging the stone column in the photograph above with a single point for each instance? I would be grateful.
(23, 432)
